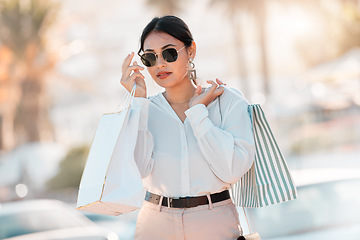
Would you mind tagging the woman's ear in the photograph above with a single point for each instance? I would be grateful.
(192, 50)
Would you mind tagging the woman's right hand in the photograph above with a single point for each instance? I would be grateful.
(131, 75)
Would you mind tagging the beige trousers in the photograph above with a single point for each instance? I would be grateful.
(218, 221)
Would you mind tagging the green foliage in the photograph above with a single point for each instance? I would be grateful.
(70, 169)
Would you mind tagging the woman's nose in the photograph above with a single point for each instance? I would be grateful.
(160, 61)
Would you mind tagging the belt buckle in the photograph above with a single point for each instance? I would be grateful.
(170, 203)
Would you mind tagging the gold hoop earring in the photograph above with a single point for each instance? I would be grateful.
(191, 70)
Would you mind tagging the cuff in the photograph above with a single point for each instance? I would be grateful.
(143, 105)
(198, 118)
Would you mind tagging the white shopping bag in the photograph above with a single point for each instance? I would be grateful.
(111, 182)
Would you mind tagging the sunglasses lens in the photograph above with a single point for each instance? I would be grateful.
(170, 54)
(148, 59)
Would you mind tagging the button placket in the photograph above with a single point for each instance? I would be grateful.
(185, 174)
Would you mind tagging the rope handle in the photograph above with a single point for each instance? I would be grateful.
(127, 99)
(246, 219)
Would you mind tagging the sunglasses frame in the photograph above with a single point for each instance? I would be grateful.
(161, 53)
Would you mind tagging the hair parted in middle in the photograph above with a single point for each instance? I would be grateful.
(171, 25)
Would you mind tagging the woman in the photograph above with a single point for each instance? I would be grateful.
(192, 143)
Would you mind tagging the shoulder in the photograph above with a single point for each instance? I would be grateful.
(232, 100)
(232, 96)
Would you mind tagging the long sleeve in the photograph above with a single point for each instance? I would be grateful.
(145, 143)
(228, 150)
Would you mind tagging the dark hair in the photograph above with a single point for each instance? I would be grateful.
(171, 25)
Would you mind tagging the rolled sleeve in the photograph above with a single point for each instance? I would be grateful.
(229, 149)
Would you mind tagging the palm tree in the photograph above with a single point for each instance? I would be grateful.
(23, 25)
(257, 9)
(165, 7)
(341, 28)
(8, 99)
(348, 26)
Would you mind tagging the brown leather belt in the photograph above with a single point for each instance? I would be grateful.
(187, 202)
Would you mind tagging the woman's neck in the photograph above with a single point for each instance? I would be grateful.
(180, 94)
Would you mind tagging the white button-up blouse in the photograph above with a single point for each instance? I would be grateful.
(211, 149)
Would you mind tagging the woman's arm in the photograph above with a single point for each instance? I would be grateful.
(229, 150)
(145, 144)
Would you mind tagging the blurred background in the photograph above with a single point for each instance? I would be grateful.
(60, 67)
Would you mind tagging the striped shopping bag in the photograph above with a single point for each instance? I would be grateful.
(268, 181)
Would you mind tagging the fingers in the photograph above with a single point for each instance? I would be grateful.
(215, 89)
(137, 67)
(220, 82)
(136, 75)
(127, 61)
(209, 95)
(134, 67)
(130, 73)
(126, 68)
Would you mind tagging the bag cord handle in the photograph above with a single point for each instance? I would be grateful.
(127, 99)
(247, 221)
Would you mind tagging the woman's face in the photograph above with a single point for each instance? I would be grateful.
(164, 73)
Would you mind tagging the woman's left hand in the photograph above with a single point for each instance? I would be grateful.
(209, 95)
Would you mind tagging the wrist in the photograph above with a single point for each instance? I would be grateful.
(141, 94)
(195, 104)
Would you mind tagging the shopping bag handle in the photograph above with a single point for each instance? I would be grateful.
(127, 100)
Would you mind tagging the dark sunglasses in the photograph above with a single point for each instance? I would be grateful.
(168, 54)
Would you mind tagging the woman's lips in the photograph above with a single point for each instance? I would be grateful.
(163, 75)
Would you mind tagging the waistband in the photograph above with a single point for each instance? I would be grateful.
(187, 202)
